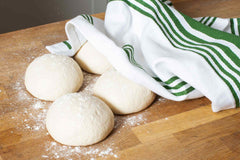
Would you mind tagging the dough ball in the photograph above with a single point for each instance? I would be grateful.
(91, 60)
(122, 95)
(79, 119)
(51, 76)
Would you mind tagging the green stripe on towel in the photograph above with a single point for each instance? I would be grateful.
(67, 44)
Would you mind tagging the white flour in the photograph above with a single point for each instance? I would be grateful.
(88, 82)
(56, 150)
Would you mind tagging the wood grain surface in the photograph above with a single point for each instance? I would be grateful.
(166, 130)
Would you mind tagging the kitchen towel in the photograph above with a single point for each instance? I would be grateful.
(153, 44)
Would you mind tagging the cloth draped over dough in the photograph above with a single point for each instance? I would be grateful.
(153, 44)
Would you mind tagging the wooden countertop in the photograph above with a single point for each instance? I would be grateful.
(166, 130)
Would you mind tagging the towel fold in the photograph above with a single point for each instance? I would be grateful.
(153, 44)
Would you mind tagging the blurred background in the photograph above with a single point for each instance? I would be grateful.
(28, 13)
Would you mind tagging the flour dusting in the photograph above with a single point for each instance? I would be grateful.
(131, 120)
(89, 81)
(35, 116)
(161, 99)
(22, 94)
(57, 150)
(34, 111)
(135, 120)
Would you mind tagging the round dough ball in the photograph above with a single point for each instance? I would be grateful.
(91, 60)
(122, 95)
(79, 119)
(51, 76)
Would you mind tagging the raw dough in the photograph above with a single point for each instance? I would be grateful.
(51, 76)
(91, 60)
(122, 95)
(79, 119)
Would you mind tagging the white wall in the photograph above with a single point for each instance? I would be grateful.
(19, 14)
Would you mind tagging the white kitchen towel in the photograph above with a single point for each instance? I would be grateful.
(76, 39)
(168, 52)
(229, 25)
